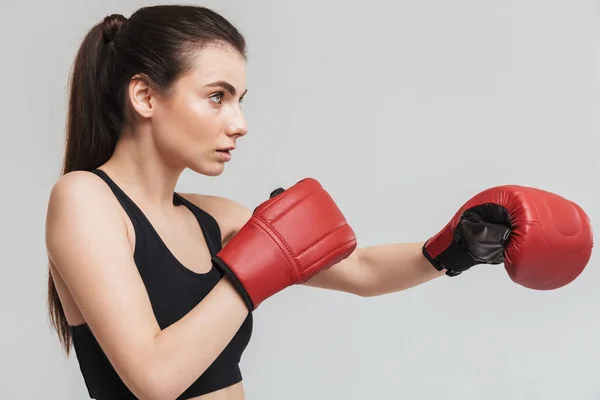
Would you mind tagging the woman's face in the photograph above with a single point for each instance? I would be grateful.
(198, 124)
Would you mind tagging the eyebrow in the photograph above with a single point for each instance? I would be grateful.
(227, 86)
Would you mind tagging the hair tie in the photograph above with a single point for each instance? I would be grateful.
(111, 26)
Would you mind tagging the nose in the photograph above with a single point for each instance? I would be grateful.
(237, 124)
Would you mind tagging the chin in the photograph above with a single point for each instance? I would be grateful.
(212, 169)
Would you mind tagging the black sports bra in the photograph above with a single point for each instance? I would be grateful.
(173, 290)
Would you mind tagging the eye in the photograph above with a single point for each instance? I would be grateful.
(216, 98)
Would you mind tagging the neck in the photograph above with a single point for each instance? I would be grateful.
(137, 167)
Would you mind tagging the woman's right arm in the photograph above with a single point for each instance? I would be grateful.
(87, 242)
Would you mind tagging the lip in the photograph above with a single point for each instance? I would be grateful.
(227, 148)
(225, 154)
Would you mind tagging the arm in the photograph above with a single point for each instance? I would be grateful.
(377, 270)
(368, 271)
(93, 256)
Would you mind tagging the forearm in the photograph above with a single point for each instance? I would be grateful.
(393, 267)
(185, 349)
(377, 270)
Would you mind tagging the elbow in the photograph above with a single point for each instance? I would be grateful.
(362, 284)
(152, 390)
(365, 290)
(146, 388)
(146, 384)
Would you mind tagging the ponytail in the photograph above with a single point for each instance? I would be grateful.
(93, 123)
(92, 128)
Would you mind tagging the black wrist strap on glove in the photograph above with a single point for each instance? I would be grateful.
(475, 241)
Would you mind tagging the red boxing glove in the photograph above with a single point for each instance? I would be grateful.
(544, 240)
(290, 238)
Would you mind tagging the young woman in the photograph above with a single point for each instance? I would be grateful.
(155, 289)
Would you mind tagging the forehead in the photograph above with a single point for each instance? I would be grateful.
(219, 63)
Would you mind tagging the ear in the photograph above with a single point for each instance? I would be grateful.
(141, 96)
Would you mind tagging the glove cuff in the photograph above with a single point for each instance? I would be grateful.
(453, 259)
(228, 272)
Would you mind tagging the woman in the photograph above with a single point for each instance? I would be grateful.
(132, 287)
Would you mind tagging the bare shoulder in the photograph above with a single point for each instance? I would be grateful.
(79, 184)
(75, 201)
(77, 191)
(229, 214)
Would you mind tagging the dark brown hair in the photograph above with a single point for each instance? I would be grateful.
(156, 44)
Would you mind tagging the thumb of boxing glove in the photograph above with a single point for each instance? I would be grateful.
(274, 193)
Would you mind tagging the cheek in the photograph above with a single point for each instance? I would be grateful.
(202, 128)
(186, 126)
(196, 119)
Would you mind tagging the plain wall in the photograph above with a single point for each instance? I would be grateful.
(403, 110)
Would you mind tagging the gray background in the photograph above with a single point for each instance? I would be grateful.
(403, 110)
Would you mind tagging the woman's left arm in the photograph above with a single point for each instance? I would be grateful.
(377, 270)
(368, 271)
